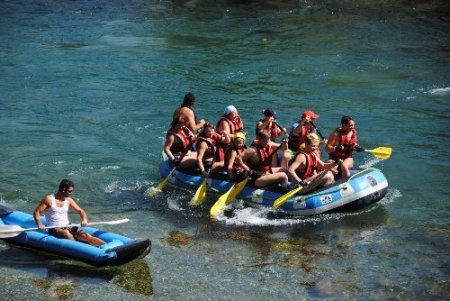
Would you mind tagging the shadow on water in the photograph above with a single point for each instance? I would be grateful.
(59, 277)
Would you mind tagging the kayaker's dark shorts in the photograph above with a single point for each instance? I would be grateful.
(73, 230)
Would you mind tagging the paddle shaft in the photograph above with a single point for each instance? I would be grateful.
(317, 130)
(14, 230)
(279, 126)
(284, 198)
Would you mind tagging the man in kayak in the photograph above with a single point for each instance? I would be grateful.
(341, 144)
(256, 161)
(56, 208)
(306, 165)
(188, 116)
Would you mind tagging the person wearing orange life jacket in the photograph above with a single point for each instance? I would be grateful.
(298, 134)
(256, 160)
(187, 113)
(269, 123)
(306, 165)
(235, 171)
(178, 141)
(210, 158)
(341, 144)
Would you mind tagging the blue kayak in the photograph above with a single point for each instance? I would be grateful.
(364, 187)
(117, 250)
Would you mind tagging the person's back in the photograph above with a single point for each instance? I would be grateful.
(186, 113)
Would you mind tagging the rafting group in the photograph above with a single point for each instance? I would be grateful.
(295, 162)
(222, 148)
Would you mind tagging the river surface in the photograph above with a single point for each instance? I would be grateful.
(88, 90)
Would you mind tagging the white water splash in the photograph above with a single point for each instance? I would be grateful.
(125, 186)
(113, 167)
(439, 91)
(370, 162)
(391, 196)
(174, 204)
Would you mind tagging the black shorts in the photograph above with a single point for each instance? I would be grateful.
(73, 230)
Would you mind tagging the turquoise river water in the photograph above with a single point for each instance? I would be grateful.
(88, 89)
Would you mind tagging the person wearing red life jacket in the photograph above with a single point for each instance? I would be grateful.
(210, 157)
(269, 123)
(341, 144)
(298, 134)
(256, 161)
(178, 141)
(229, 124)
(235, 171)
(307, 164)
(186, 112)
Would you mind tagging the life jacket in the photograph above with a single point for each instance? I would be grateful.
(310, 166)
(184, 139)
(239, 150)
(264, 153)
(214, 149)
(273, 130)
(347, 143)
(295, 140)
(236, 125)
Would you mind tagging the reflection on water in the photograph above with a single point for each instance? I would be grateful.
(62, 277)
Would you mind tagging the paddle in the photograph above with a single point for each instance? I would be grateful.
(382, 152)
(283, 199)
(14, 230)
(200, 194)
(164, 182)
(279, 126)
(227, 197)
(231, 194)
(317, 130)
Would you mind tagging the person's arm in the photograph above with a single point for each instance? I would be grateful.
(44, 204)
(264, 125)
(333, 141)
(299, 160)
(80, 211)
(189, 114)
(244, 157)
(323, 165)
(167, 145)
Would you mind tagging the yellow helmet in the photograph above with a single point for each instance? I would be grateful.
(241, 135)
(313, 136)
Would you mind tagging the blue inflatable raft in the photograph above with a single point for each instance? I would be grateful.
(117, 250)
(364, 187)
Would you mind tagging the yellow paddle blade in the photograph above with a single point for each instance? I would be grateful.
(163, 183)
(237, 189)
(382, 152)
(200, 194)
(220, 204)
(227, 197)
(283, 199)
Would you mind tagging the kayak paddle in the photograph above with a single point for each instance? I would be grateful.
(382, 152)
(227, 197)
(200, 194)
(14, 230)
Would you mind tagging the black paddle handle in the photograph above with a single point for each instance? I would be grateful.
(317, 130)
